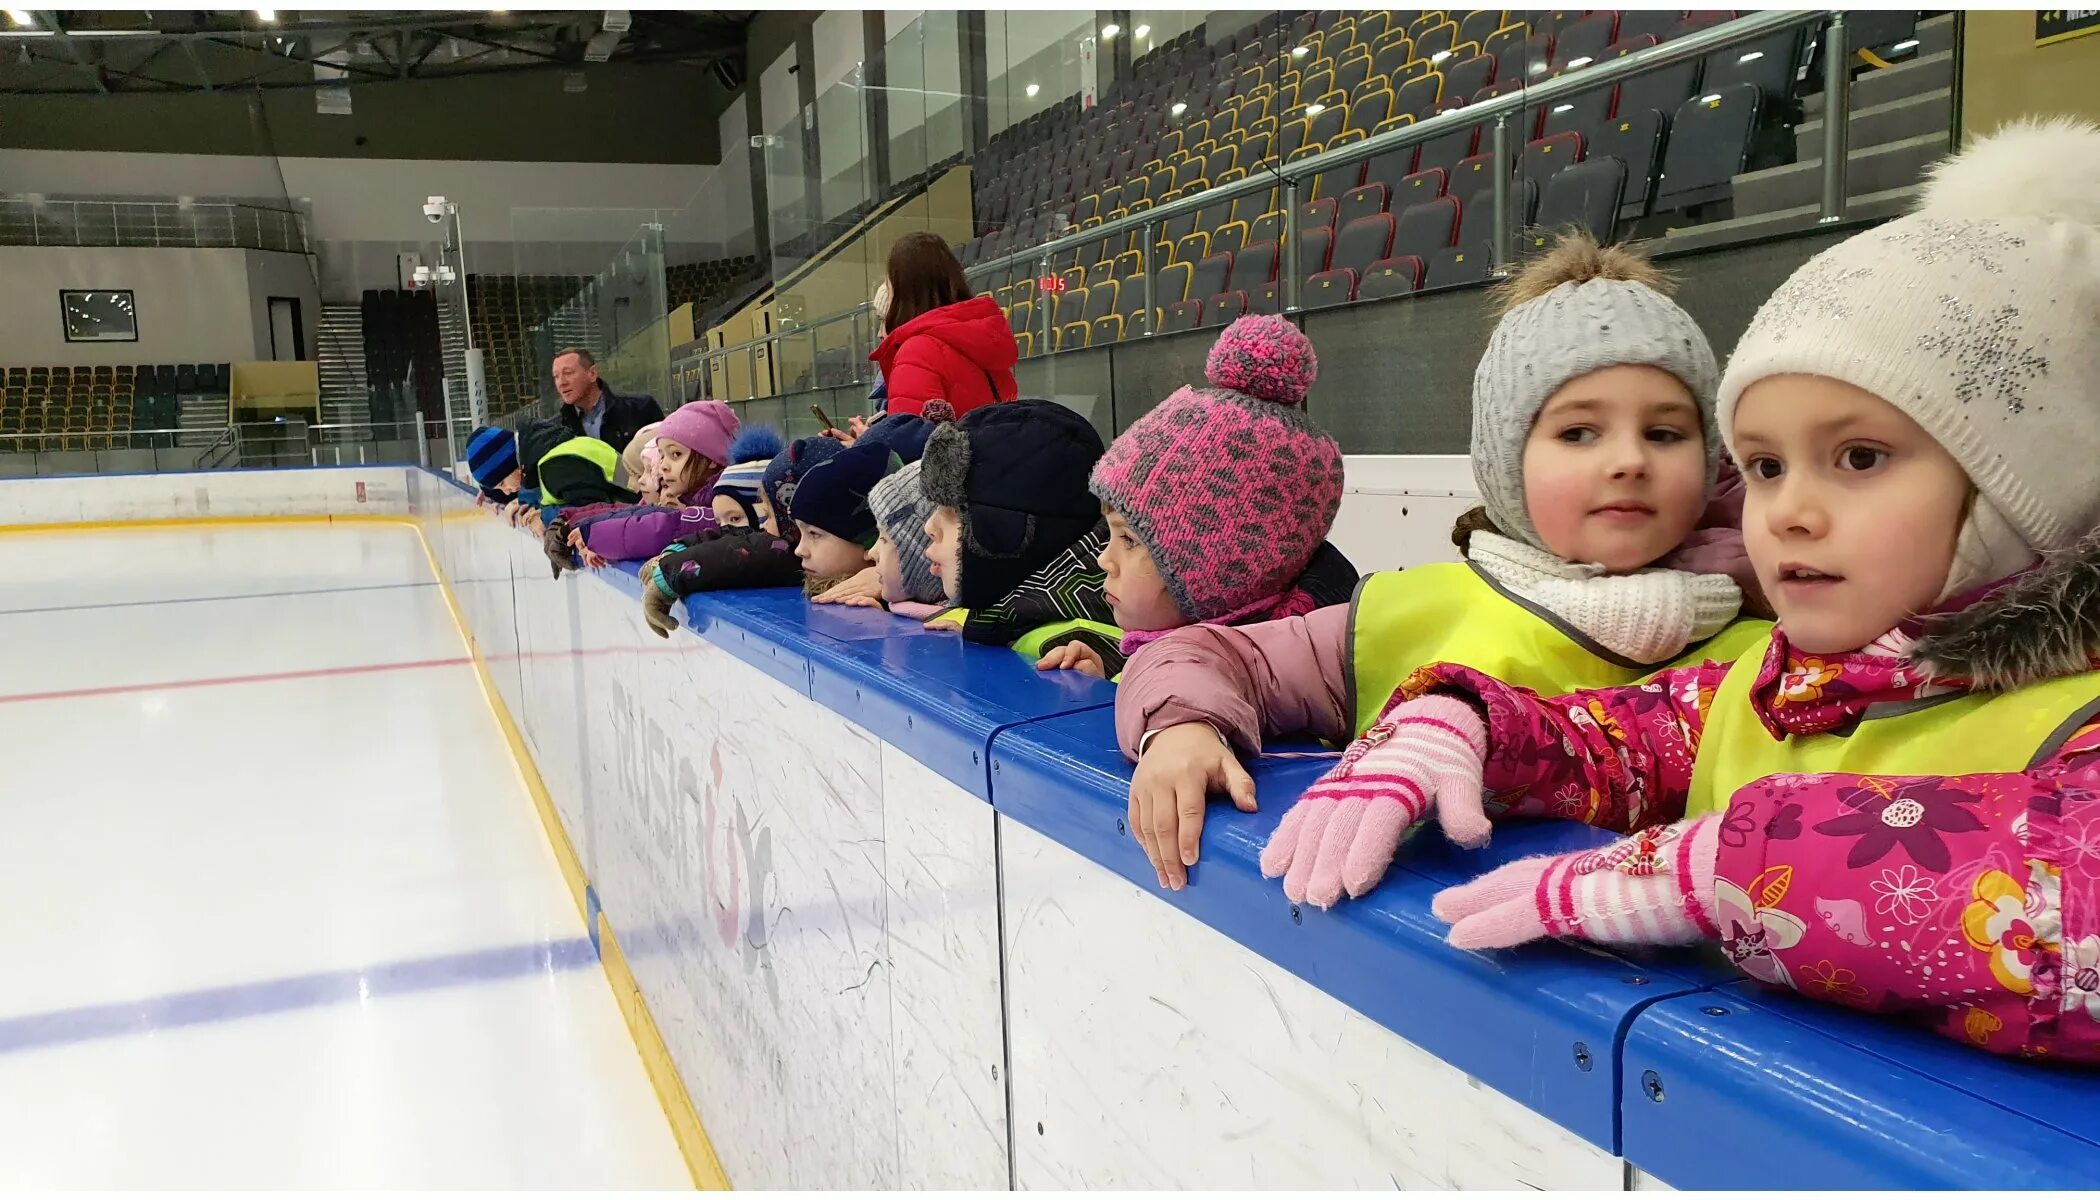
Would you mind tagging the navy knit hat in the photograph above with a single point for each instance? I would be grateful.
(834, 495)
(905, 435)
(492, 454)
(1017, 472)
(785, 472)
(534, 440)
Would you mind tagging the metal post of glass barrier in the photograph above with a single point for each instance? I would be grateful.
(1046, 297)
(1290, 245)
(1837, 112)
(1501, 194)
(1145, 267)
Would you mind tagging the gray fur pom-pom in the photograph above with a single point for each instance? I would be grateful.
(944, 468)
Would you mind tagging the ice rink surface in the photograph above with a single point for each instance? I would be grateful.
(277, 908)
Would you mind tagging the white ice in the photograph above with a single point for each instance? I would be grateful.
(176, 861)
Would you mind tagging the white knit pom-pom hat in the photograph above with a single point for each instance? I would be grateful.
(1978, 316)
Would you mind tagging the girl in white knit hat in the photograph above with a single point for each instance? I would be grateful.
(1595, 452)
(1894, 806)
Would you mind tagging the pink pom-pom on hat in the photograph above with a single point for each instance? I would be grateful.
(1266, 357)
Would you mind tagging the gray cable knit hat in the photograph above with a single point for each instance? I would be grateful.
(1605, 310)
(902, 511)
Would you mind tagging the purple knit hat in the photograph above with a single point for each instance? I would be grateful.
(1231, 488)
(705, 427)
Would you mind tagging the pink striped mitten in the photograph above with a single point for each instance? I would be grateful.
(1343, 833)
(1655, 888)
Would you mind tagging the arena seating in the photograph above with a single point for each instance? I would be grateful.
(1200, 112)
(57, 408)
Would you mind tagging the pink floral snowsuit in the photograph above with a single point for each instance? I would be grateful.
(1971, 901)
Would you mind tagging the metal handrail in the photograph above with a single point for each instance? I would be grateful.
(1498, 110)
(1668, 54)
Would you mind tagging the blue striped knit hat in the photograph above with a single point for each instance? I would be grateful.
(492, 454)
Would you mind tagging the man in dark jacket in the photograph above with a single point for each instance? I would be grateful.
(591, 409)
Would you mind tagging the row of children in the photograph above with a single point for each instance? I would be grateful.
(1889, 800)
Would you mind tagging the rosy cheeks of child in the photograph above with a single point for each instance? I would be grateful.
(944, 547)
(826, 556)
(1136, 593)
(889, 571)
(1850, 509)
(1615, 468)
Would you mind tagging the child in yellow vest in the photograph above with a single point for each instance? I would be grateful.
(1595, 452)
(1895, 804)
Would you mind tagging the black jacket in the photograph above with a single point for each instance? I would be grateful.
(736, 557)
(624, 416)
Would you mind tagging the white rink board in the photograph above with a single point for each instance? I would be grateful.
(296, 491)
(815, 919)
(1150, 1051)
(822, 962)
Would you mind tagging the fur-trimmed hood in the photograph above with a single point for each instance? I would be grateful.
(2043, 624)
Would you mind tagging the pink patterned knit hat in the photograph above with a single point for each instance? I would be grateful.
(1231, 488)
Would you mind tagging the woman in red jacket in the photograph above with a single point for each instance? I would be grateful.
(943, 343)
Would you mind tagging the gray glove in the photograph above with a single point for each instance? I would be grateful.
(659, 608)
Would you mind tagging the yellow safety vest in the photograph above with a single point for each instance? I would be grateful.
(591, 450)
(1031, 645)
(1401, 621)
(1961, 733)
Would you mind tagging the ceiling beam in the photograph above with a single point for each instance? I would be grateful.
(190, 48)
(50, 21)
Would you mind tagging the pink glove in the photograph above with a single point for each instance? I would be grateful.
(1655, 888)
(1344, 831)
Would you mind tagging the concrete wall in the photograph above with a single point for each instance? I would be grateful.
(193, 305)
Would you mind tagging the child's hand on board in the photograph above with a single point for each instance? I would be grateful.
(866, 585)
(1074, 656)
(1342, 834)
(1176, 773)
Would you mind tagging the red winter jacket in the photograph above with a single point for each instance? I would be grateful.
(962, 353)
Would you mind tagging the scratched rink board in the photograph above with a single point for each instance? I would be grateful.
(1151, 1051)
(823, 965)
(380, 491)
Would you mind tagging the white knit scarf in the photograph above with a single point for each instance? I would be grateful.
(1648, 616)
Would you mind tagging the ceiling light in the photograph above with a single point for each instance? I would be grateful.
(1561, 108)
(1439, 56)
(1142, 31)
(1110, 30)
(1178, 109)
(22, 20)
(267, 16)
(1906, 44)
(1584, 61)
(1034, 88)
(1299, 51)
(1315, 109)
(1753, 56)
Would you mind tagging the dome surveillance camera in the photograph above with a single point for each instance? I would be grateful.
(434, 209)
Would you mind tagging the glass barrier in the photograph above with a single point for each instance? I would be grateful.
(618, 311)
(287, 443)
(1299, 162)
